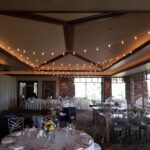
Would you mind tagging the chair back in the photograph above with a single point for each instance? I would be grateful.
(15, 124)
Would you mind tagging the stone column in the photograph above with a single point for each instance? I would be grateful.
(67, 87)
(106, 88)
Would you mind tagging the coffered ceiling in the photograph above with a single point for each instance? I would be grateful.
(80, 42)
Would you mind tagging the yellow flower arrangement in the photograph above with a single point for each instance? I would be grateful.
(49, 125)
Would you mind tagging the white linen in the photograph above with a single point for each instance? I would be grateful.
(40, 104)
(63, 139)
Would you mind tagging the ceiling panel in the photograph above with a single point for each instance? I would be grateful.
(100, 33)
(68, 16)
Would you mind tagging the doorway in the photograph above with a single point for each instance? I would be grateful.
(26, 89)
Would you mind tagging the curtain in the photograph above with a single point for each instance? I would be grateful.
(8, 97)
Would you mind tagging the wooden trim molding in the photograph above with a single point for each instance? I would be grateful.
(35, 17)
(3, 51)
(139, 61)
(131, 52)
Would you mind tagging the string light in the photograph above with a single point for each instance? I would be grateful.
(135, 37)
(74, 52)
(33, 52)
(97, 49)
(52, 53)
(85, 51)
(122, 42)
(109, 45)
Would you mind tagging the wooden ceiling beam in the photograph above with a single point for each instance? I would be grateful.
(3, 51)
(95, 17)
(35, 17)
(4, 67)
(134, 51)
(138, 62)
(69, 37)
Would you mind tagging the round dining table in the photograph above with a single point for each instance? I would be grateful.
(36, 139)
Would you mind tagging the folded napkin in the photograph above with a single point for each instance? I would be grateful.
(87, 141)
(80, 148)
(16, 133)
(16, 147)
(83, 134)
(7, 140)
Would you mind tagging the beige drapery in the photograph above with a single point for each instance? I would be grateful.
(8, 97)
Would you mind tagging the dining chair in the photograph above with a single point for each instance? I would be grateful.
(118, 129)
(134, 124)
(15, 124)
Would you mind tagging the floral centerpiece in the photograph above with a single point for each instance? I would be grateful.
(135, 110)
(49, 125)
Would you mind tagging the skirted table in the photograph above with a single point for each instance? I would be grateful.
(64, 139)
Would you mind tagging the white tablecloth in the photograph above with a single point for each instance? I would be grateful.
(40, 104)
(77, 141)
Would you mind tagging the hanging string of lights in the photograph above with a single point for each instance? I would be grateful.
(21, 55)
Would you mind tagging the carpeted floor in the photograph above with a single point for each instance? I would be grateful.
(84, 122)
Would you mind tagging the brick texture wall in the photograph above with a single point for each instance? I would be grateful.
(136, 91)
(67, 87)
(106, 88)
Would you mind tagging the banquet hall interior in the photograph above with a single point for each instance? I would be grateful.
(74, 75)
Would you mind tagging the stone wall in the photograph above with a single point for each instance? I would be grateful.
(67, 87)
(136, 90)
(106, 88)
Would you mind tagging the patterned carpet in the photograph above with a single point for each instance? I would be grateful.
(85, 123)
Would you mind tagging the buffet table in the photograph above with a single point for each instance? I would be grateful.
(64, 139)
(42, 104)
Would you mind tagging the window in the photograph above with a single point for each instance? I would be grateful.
(89, 88)
(118, 88)
(26, 89)
(148, 86)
